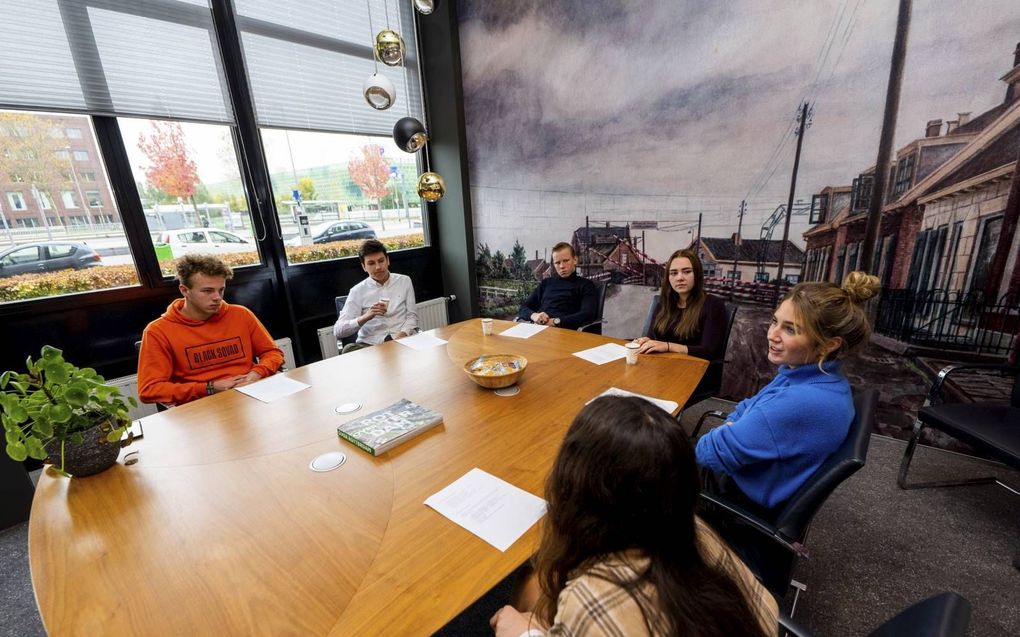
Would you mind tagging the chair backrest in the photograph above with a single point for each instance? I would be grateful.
(341, 301)
(795, 516)
(944, 615)
(653, 308)
(600, 289)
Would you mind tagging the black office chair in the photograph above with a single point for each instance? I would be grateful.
(772, 548)
(351, 338)
(159, 406)
(711, 382)
(992, 428)
(944, 615)
(594, 327)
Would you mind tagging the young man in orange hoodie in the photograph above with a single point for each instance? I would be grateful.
(202, 345)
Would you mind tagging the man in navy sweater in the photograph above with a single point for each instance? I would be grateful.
(566, 300)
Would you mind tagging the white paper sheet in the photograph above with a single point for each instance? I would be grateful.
(425, 340)
(603, 353)
(667, 405)
(494, 510)
(272, 388)
(523, 330)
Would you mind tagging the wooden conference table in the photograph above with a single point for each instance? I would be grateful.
(221, 528)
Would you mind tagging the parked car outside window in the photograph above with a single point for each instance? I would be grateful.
(48, 256)
(343, 231)
(204, 241)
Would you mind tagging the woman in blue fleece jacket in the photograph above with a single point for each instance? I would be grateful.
(775, 440)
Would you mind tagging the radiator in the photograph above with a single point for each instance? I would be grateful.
(128, 385)
(288, 352)
(433, 313)
(327, 342)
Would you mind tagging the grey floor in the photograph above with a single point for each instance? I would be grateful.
(874, 550)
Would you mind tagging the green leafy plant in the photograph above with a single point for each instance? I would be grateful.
(54, 402)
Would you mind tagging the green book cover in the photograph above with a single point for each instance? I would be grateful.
(388, 427)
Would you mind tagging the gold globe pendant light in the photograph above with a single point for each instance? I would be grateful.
(431, 187)
(389, 47)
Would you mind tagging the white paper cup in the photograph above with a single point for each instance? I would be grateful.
(632, 349)
(486, 326)
(385, 302)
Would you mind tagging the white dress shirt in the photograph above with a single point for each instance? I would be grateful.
(400, 314)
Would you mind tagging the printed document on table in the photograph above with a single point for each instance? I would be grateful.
(494, 510)
(603, 353)
(668, 405)
(425, 340)
(523, 330)
(272, 388)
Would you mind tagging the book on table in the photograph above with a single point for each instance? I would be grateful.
(386, 428)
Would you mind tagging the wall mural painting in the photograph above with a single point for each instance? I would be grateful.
(632, 129)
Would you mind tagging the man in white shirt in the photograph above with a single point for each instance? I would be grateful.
(381, 307)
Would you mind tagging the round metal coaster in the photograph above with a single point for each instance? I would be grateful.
(327, 461)
(348, 408)
(512, 390)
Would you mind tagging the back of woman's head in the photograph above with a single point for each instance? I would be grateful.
(625, 477)
(827, 311)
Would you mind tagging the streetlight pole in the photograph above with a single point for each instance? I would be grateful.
(77, 186)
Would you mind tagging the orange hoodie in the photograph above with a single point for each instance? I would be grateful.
(179, 355)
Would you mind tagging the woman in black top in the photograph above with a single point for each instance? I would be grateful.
(687, 321)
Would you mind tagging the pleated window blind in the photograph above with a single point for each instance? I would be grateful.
(153, 58)
(307, 61)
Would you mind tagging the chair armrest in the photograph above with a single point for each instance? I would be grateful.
(708, 414)
(790, 627)
(936, 387)
(757, 524)
(587, 325)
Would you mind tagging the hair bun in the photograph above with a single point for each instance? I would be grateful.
(861, 286)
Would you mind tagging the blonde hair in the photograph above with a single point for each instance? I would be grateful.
(826, 311)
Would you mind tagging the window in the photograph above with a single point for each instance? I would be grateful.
(819, 208)
(73, 133)
(67, 197)
(87, 175)
(25, 223)
(53, 221)
(63, 154)
(44, 200)
(17, 201)
(61, 250)
(24, 255)
(102, 218)
(93, 199)
(81, 155)
(190, 178)
(223, 237)
(17, 178)
(984, 254)
(904, 174)
(860, 194)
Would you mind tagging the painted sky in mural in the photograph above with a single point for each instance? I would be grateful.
(662, 110)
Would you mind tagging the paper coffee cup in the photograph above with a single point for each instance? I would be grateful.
(385, 302)
(486, 326)
(632, 354)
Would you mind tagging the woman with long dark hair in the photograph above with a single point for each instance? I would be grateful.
(622, 552)
(688, 320)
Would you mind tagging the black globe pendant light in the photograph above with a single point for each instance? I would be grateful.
(409, 134)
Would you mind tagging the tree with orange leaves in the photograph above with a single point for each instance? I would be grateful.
(170, 169)
(371, 171)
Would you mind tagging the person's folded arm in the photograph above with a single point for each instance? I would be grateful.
(728, 448)
(155, 367)
(587, 310)
(532, 304)
(713, 331)
(270, 357)
(347, 323)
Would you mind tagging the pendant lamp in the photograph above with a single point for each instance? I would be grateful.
(379, 92)
(426, 7)
(431, 187)
(409, 134)
(389, 47)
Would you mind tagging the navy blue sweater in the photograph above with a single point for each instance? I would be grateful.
(573, 300)
(779, 437)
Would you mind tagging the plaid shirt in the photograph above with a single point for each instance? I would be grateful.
(591, 606)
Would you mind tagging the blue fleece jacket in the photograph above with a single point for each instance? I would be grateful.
(780, 436)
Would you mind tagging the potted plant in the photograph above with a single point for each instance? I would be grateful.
(63, 414)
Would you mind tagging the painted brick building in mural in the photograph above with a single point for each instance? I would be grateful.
(756, 259)
(946, 206)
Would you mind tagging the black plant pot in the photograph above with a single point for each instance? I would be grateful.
(92, 456)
